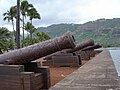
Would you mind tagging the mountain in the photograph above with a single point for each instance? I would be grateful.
(58, 29)
(104, 31)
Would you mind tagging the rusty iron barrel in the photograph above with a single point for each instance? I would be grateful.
(78, 47)
(33, 52)
(96, 46)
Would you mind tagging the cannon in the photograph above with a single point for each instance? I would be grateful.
(79, 46)
(88, 52)
(33, 52)
(92, 47)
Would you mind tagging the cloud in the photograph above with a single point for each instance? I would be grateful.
(60, 11)
(76, 11)
(101, 9)
(68, 11)
(4, 6)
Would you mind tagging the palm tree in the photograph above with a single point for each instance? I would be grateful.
(30, 28)
(24, 8)
(41, 36)
(10, 15)
(5, 38)
(32, 13)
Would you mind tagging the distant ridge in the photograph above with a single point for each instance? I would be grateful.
(104, 31)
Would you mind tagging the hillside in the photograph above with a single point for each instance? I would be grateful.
(104, 31)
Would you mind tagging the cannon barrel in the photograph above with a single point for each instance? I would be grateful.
(49, 57)
(78, 47)
(92, 47)
(33, 52)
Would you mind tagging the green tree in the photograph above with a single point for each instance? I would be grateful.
(10, 15)
(33, 14)
(25, 6)
(26, 10)
(5, 38)
(38, 37)
(30, 28)
(41, 36)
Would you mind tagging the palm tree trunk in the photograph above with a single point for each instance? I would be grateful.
(31, 21)
(13, 30)
(31, 32)
(13, 26)
(14, 35)
(30, 35)
(27, 34)
(23, 30)
(23, 27)
(18, 25)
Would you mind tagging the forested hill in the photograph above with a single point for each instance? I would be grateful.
(104, 31)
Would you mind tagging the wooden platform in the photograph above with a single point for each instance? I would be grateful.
(69, 59)
(97, 74)
(24, 77)
(64, 59)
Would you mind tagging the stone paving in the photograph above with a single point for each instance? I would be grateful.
(97, 74)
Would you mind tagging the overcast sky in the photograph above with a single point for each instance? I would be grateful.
(67, 11)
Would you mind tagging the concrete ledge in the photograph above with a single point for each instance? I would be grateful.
(97, 74)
